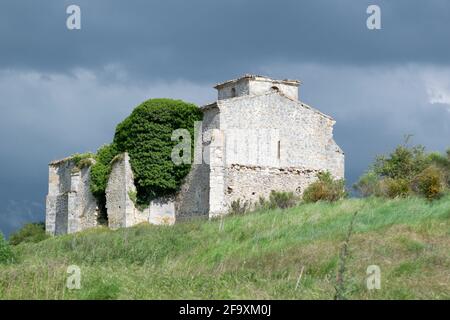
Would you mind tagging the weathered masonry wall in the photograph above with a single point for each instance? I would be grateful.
(251, 182)
(264, 86)
(120, 207)
(190, 201)
(70, 206)
(254, 85)
(193, 198)
(305, 136)
(217, 201)
(83, 211)
(240, 88)
(273, 143)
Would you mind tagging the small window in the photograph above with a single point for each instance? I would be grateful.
(279, 150)
(233, 92)
(275, 88)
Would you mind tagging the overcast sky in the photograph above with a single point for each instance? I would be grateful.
(63, 91)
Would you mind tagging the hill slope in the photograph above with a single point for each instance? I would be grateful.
(256, 256)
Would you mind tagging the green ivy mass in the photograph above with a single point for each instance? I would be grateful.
(146, 136)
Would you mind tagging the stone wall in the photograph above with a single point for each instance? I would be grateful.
(258, 87)
(254, 85)
(70, 206)
(83, 210)
(248, 183)
(305, 136)
(271, 142)
(241, 88)
(217, 201)
(193, 198)
(120, 188)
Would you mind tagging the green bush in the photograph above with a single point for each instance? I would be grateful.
(430, 183)
(31, 232)
(277, 199)
(368, 184)
(443, 163)
(238, 207)
(393, 188)
(146, 135)
(282, 200)
(403, 163)
(326, 188)
(407, 170)
(6, 254)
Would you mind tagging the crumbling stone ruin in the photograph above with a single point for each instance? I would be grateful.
(257, 137)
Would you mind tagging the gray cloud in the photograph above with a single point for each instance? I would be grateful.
(200, 40)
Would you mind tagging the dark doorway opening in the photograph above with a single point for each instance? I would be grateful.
(102, 217)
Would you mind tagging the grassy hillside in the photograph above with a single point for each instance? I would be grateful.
(256, 256)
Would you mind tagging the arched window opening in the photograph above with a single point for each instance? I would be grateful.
(275, 88)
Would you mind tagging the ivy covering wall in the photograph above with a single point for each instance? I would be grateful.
(146, 136)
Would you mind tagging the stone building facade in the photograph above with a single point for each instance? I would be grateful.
(257, 137)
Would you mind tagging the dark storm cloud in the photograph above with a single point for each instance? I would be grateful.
(64, 91)
(201, 39)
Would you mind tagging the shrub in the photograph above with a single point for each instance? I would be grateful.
(407, 170)
(6, 254)
(239, 207)
(282, 200)
(146, 135)
(393, 188)
(368, 184)
(443, 163)
(31, 232)
(403, 163)
(83, 160)
(429, 183)
(277, 199)
(325, 188)
(263, 204)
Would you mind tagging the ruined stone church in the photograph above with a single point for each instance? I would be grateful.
(257, 137)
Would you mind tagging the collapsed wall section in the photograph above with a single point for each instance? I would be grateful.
(83, 210)
(70, 205)
(120, 190)
(190, 201)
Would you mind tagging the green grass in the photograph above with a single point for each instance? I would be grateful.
(256, 256)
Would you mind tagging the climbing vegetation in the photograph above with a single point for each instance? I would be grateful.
(147, 137)
(101, 169)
